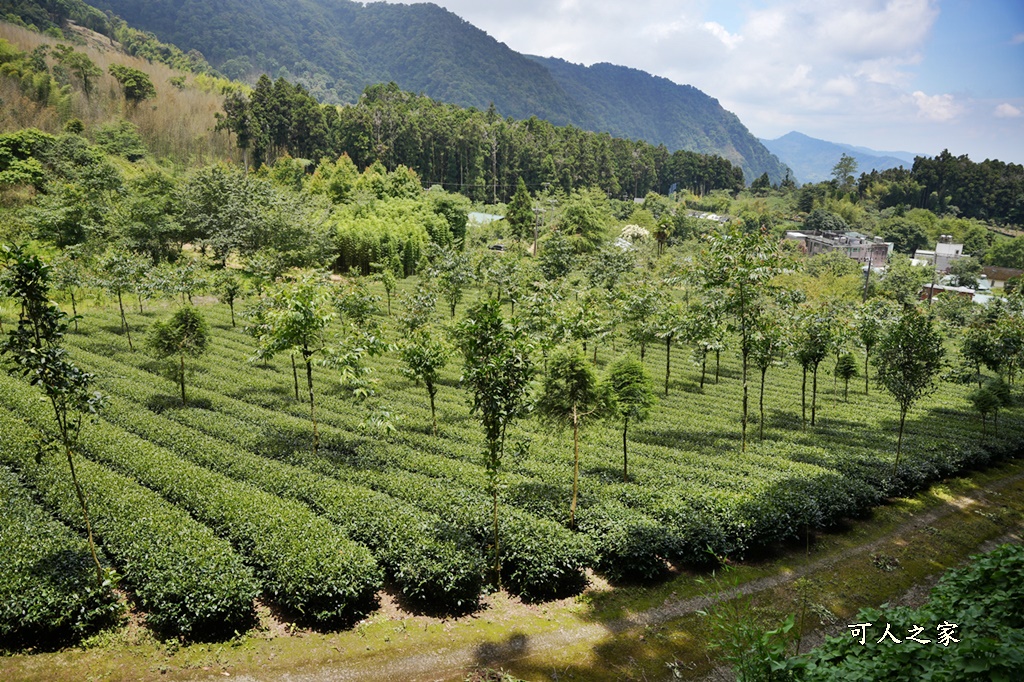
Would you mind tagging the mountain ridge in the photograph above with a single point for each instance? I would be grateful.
(336, 48)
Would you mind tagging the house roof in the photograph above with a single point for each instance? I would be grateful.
(997, 274)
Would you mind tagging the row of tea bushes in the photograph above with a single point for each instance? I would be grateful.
(49, 592)
(304, 562)
(189, 582)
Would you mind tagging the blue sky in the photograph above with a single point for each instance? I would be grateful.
(907, 75)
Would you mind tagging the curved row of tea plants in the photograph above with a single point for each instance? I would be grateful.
(304, 562)
(187, 580)
(722, 499)
(49, 590)
(540, 559)
(433, 564)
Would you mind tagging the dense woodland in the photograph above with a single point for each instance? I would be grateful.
(590, 383)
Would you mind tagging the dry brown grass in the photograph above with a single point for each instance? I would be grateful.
(176, 124)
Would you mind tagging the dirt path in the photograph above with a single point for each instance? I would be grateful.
(451, 663)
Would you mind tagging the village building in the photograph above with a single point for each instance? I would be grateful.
(859, 247)
(943, 255)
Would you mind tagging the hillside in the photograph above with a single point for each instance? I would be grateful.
(336, 49)
(812, 159)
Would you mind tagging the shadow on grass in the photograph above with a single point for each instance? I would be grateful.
(160, 403)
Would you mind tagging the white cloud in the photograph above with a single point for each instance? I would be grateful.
(841, 70)
(938, 108)
(1007, 110)
(730, 40)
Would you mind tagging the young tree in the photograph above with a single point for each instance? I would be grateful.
(769, 342)
(519, 213)
(36, 352)
(812, 343)
(846, 369)
(908, 361)
(740, 266)
(229, 287)
(419, 309)
(117, 272)
(672, 325)
(497, 371)
(641, 309)
(870, 323)
(570, 395)
(185, 335)
(705, 331)
(296, 318)
(68, 276)
(453, 272)
(387, 278)
(135, 84)
(988, 399)
(633, 397)
(185, 277)
(424, 357)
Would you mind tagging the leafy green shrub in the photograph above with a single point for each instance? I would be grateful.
(985, 600)
(48, 590)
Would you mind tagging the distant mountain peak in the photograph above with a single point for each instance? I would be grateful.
(812, 159)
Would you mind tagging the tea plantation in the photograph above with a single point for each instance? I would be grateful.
(202, 507)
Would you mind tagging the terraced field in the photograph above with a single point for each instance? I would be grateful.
(202, 508)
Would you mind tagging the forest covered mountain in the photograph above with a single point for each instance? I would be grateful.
(812, 160)
(336, 48)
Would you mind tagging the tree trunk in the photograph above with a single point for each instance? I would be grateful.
(181, 379)
(74, 311)
(231, 304)
(760, 424)
(595, 351)
(718, 364)
(575, 467)
(433, 415)
(867, 354)
(312, 413)
(668, 360)
(803, 401)
(295, 378)
(703, 369)
(139, 296)
(814, 396)
(625, 456)
(62, 425)
(643, 349)
(124, 323)
(846, 390)
(497, 554)
(899, 442)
